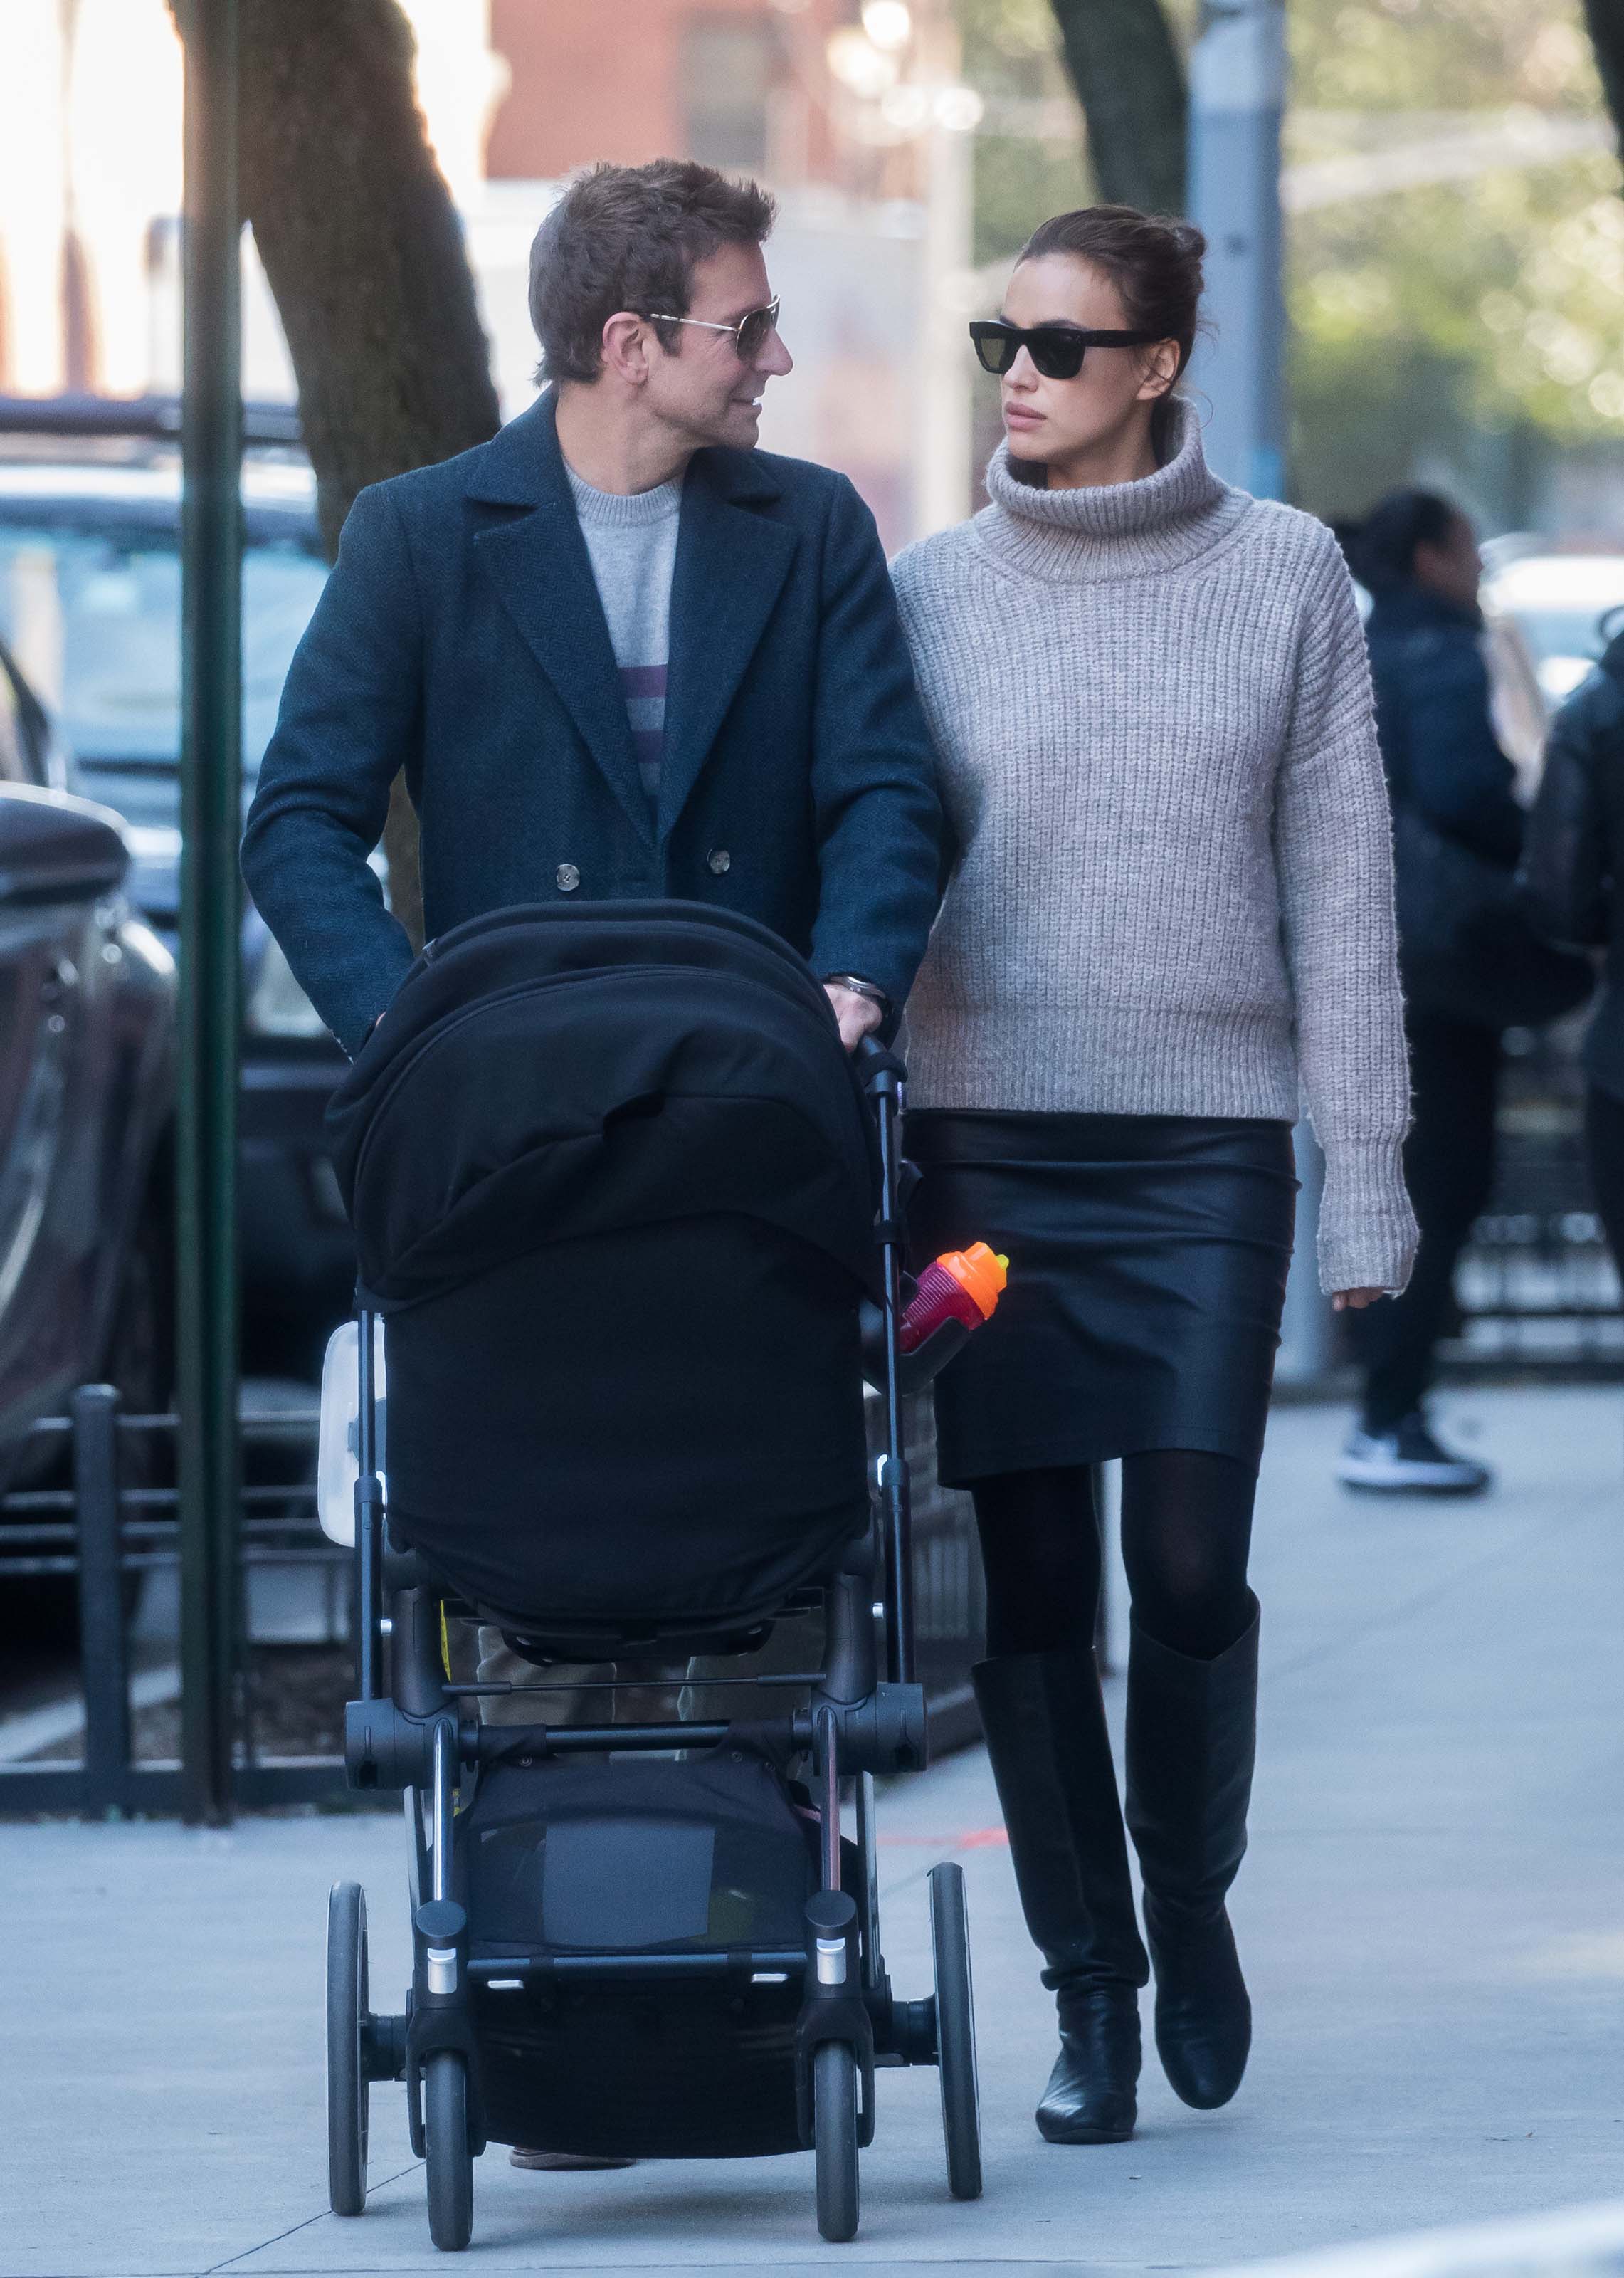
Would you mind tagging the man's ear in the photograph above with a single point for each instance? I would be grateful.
(628, 343)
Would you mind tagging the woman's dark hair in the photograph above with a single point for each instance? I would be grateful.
(1381, 550)
(1153, 261)
(629, 237)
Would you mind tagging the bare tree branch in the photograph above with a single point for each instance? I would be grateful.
(1129, 80)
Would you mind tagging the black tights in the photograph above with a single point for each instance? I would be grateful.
(1187, 1528)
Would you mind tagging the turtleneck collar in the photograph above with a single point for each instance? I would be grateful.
(1113, 530)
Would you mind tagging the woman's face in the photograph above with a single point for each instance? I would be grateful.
(1058, 420)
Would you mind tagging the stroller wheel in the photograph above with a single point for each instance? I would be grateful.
(449, 2162)
(347, 2037)
(961, 2103)
(835, 2139)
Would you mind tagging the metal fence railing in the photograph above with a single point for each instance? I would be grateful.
(103, 1520)
(1537, 1289)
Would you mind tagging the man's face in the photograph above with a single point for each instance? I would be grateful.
(702, 389)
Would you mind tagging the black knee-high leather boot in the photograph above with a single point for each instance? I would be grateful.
(1051, 1757)
(1191, 1744)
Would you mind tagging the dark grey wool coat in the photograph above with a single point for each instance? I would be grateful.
(460, 638)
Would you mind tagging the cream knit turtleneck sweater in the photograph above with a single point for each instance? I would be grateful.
(1174, 887)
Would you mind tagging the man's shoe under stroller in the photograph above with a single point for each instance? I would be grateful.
(620, 1198)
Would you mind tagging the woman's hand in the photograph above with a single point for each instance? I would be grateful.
(1354, 1301)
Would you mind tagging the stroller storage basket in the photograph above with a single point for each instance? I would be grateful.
(578, 1861)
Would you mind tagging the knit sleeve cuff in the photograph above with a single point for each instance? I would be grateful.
(1368, 1232)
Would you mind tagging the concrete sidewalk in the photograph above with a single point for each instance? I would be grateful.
(1432, 1918)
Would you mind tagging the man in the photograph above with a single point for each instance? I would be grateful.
(618, 652)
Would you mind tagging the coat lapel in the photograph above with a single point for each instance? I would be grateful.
(731, 565)
(539, 566)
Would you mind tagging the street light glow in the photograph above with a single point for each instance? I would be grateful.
(888, 24)
(858, 64)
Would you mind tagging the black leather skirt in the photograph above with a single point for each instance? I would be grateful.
(1147, 1264)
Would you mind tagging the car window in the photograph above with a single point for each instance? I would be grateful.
(94, 620)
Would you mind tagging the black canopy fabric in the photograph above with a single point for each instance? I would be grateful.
(545, 1073)
(613, 1183)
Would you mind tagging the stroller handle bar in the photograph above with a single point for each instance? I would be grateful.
(884, 1075)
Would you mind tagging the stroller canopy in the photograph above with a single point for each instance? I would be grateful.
(545, 1073)
(613, 1181)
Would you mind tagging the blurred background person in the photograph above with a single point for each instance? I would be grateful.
(1572, 888)
(1471, 966)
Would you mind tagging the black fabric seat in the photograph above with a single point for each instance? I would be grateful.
(612, 1183)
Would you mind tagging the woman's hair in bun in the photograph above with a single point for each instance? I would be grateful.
(1381, 550)
(1153, 261)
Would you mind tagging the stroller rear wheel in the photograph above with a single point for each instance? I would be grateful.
(347, 2037)
(835, 2139)
(448, 2160)
(961, 2107)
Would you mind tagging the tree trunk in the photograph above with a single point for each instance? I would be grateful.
(1130, 83)
(1604, 22)
(363, 251)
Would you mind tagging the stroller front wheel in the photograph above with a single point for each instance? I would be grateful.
(835, 2139)
(961, 2112)
(348, 2081)
(448, 2162)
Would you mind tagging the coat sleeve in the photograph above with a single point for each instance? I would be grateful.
(877, 815)
(1334, 856)
(349, 720)
(1564, 878)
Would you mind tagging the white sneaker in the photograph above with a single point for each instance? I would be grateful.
(1408, 1460)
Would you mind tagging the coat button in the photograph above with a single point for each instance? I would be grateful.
(719, 860)
(568, 877)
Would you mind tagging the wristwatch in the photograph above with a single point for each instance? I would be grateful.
(858, 988)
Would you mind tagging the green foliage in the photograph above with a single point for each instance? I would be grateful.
(1473, 322)
(1473, 325)
(1011, 58)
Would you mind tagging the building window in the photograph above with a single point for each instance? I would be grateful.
(728, 67)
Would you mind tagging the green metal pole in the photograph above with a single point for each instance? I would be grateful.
(211, 917)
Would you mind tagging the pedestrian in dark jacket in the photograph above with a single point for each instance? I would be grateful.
(619, 653)
(1418, 556)
(1572, 888)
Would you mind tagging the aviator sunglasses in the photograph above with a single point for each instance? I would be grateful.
(1057, 350)
(749, 336)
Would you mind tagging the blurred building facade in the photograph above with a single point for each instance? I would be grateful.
(854, 115)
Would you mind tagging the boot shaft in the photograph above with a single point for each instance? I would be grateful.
(1192, 1745)
(1044, 1719)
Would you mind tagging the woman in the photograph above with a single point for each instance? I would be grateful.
(1172, 899)
(1573, 883)
(1450, 785)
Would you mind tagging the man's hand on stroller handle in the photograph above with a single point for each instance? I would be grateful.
(859, 1015)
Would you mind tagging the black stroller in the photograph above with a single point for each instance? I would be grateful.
(621, 1202)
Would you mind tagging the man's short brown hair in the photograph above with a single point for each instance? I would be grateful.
(629, 237)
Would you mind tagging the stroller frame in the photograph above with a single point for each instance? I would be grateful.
(409, 1734)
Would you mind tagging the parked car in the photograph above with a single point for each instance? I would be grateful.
(86, 1098)
(1557, 601)
(90, 602)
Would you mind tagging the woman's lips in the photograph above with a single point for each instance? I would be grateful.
(1014, 416)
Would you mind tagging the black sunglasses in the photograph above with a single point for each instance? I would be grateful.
(1057, 350)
